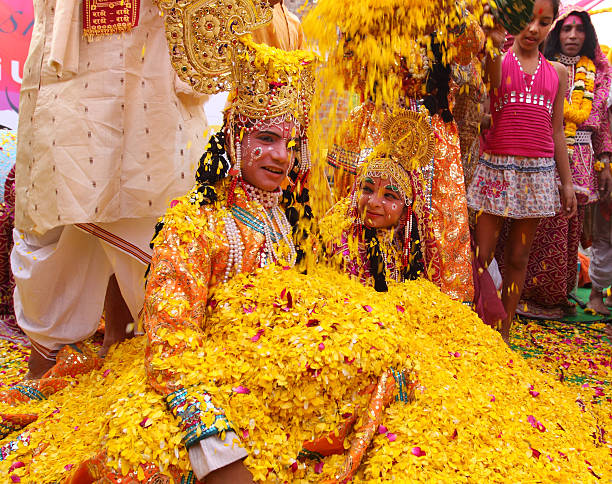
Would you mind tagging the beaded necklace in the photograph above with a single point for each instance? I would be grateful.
(268, 220)
(529, 85)
(252, 222)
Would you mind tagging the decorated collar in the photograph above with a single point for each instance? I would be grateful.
(569, 61)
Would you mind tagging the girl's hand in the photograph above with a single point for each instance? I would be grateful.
(492, 29)
(568, 200)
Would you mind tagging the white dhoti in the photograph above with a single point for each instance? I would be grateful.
(600, 268)
(61, 278)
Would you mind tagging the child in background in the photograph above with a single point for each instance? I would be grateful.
(524, 149)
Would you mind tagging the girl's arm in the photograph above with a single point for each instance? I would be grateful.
(493, 71)
(496, 36)
(568, 197)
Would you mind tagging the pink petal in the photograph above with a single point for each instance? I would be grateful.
(241, 389)
(531, 419)
(382, 429)
(245, 434)
(15, 478)
(368, 308)
(145, 423)
(318, 467)
(418, 452)
(533, 393)
(321, 346)
(294, 467)
(492, 397)
(106, 373)
(174, 203)
(68, 467)
(16, 465)
(391, 437)
(400, 308)
(535, 453)
(255, 338)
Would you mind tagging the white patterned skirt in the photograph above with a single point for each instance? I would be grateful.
(515, 186)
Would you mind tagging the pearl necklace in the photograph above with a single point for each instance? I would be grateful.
(528, 86)
(267, 199)
(266, 204)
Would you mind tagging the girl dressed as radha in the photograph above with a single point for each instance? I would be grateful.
(371, 234)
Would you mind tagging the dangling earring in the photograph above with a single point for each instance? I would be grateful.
(407, 239)
(304, 157)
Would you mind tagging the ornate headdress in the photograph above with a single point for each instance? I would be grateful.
(211, 50)
(408, 143)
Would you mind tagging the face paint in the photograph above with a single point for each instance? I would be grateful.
(572, 35)
(572, 20)
(266, 156)
(380, 203)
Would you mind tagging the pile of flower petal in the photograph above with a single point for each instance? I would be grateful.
(290, 354)
(578, 353)
(13, 363)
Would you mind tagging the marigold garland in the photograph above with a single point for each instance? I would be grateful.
(578, 109)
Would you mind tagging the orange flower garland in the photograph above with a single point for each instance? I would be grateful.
(578, 110)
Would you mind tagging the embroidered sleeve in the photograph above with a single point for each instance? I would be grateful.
(602, 137)
(175, 302)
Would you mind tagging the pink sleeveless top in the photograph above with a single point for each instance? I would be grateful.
(521, 123)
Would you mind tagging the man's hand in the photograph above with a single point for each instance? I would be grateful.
(604, 178)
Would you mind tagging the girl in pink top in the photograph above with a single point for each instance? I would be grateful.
(524, 150)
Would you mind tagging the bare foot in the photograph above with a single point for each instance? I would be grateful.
(38, 365)
(118, 317)
(505, 337)
(608, 301)
(596, 303)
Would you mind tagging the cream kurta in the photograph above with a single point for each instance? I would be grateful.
(106, 129)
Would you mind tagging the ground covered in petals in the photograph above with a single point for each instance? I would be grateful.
(290, 355)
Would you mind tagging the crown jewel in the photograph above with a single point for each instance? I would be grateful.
(210, 50)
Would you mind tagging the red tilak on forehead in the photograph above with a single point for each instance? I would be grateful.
(573, 20)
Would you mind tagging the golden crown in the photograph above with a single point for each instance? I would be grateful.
(408, 144)
(210, 50)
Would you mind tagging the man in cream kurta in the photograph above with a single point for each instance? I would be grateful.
(108, 134)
